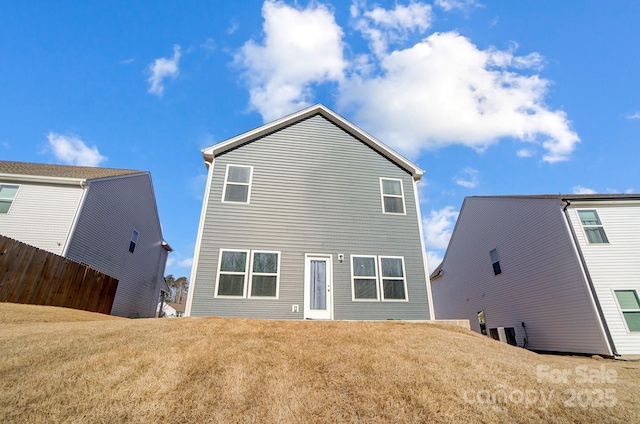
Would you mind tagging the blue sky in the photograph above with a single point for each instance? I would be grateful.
(526, 97)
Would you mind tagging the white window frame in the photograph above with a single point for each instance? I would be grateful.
(226, 182)
(252, 273)
(404, 279)
(13, 198)
(354, 278)
(382, 196)
(248, 274)
(584, 227)
(622, 311)
(245, 273)
(379, 279)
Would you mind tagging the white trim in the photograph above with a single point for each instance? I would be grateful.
(226, 182)
(382, 196)
(622, 311)
(329, 273)
(252, 273)
(210, 152)
(245, 273)
(374, 278)
(382, 278)
(608, 344)
(43, 179)
(196, 253)
(74, 223)
(379, 279)
(14, 196)
(432, 312)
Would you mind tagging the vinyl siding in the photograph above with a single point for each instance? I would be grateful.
(113, 208)
(316, 189)
(41, 215)
(614, 265)
(541, 284)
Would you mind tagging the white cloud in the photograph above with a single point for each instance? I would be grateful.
(433, 260)
(196, 186)
(635, 115)
(438, 227)
(445, 91)
(583, 190)
(163, 68)
(209, 45)
(382, 27)
(185, 263)
(127, 61)
(464, 5)
(233, 27)
(71, 150)
(468, 178)
(525, 153)
(301, 47)
(6, 145)
(439, 92)
(170, 261)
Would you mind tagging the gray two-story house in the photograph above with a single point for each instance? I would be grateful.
(309, 217)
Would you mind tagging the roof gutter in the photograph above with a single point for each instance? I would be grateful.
(585, 269)
(43, 179)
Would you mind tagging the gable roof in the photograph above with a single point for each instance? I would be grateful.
(210, 152)
(61, 171)
(576, 197)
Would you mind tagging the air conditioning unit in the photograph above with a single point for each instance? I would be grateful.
(504, 334)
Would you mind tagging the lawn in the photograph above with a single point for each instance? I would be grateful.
(60, 365)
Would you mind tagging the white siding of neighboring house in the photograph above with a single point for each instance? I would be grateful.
(112, 210)
(41, 215)
(615, 265)
(542, 283)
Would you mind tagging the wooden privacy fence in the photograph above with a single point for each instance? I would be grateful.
(35, 276)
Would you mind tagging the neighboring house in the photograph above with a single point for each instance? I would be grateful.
(567, 267)
(173, 310)
(309, 217)
(105, 218)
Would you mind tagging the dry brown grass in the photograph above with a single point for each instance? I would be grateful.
(237, 370)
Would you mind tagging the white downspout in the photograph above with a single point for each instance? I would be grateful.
(85, 188)
(432, 312)
(196, 254)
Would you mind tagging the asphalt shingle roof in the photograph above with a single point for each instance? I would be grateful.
(62, 171)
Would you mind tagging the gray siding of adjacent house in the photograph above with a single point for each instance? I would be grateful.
(112, 209)
(41, 215)
(615, 265)
(315, 189)
(542, 282)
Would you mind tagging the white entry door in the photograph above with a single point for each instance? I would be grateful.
(317, 286)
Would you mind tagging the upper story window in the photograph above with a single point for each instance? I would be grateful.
(134, 241)
(392, 194)
(630, 307)
(237, 184)
(378, 278)
(244, 273)
(495, 261)
(592, 226)
(7, 194)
